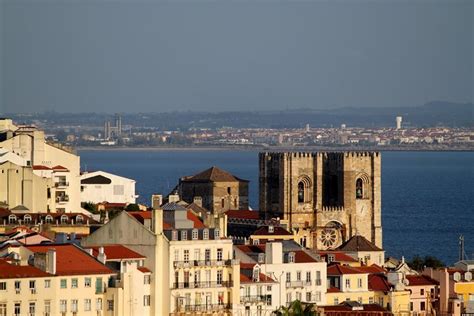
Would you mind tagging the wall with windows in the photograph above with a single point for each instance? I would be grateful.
(108, 187)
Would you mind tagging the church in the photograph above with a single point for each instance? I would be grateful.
(325, 198)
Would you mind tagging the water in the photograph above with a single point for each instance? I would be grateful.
(427, 197)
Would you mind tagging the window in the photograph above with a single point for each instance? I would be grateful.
(216, 233)
(422, 292)
(47, 308)
(63, 283)
(74, 306)
(174, 235)
(47, 284)
(79, 219)
(87, 305)
(422, 306)
(32, 308)
(48, 219)
(195, 234)
(359, 189)
(336, 301)
(110, 305)
(186, 255)
(308, 296)
(3, 309)
(318, 277)
(298, 275)
(63, 306)
(98, 304)
(146, 300)
(359, 282)
(207, 255)
(219, 277)
(288, 297)
(33, 286)
(300, 192)
(348, 283)
(184, 235)
(12, 219)
(17, 310)
(197, 254)
(331, 258)
(219, 254)
(256, 242)
(222, 203)
(176, 255)
(261, 257)
(256, 274)
(317, 296)
(359, 300)
(98, 285)
(27, 219)
(308, 276)
(298, 296)
(147, 279)
(288, 277)
(87, 282)
(291, 257)
(3, 286)
(205, 234)
(228, 190)
(371, 300)
(17, 286)
(74, 283)
(197, 277)
(64, 219)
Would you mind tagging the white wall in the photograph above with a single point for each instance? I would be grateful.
(120, 190)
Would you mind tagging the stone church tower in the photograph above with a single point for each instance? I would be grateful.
(324, 197)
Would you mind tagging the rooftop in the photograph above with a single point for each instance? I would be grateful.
(213, 174)
(116, 252)
(358, 243)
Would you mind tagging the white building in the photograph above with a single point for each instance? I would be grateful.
(101, 186)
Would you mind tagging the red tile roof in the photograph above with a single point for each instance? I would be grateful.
(144, 270)
(417, 280)
(302, 257)
(263, 278)
(373, 269)
(333, 290)
(277, 231)
(117, 252)
(60, 168)
(358, 243)
(141, 215)
(70, 260)
(338, 256)
(195, 219)
(10, 271)
(378, 282)
(243, 214)
(41, 167)
(337, 269)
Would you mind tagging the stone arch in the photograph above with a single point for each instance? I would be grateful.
(362, 186)
(304, 189)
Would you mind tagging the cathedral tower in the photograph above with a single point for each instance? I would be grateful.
(325, 197)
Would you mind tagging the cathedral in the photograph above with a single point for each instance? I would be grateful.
(325, 198)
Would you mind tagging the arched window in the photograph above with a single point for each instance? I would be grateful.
(48, 219)
(359, 189)
(27, 219)
(63, 219)
(79, 219)
(256, 274)
(300, 192)
(11, 219)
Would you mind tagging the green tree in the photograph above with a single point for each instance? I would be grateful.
(297, 308)
(418, 263)
(132, 207)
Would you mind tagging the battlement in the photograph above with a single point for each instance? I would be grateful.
(333, 209)
(325, 154)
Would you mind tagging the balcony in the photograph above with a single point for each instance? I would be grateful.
(61, 184)
(202, 285)
(253, 299)
(204, 308)
(62, 199)
(204, 263)
(294, 284)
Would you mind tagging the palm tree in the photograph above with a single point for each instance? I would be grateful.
(296, 308)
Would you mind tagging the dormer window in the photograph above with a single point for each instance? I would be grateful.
(79, 219)
(255, 242)
(291, 257)
(27, 219)
(261, 258)
(195, 234)
(184, 235)
(64, 219)
(11, 219)
(174, 235)
(256, 274)
(205, 234)
(271, 229)
(331, 258)
(48, 219)
(216, 233)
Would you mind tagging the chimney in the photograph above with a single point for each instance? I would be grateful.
(101, 256)
(173, 198)
(156, 200)
(198, 201)
(51, 261)
(157, 217)
(89, 251)
(274, 252)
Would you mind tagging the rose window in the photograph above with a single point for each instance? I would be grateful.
(328, 237)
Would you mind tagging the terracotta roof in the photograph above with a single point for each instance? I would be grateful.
(373, 269)
(338, 256)
(337, 269)
(251, 248)
(144, 269)
(70, 260)
(243, 214)
(277, 231)
(116, 252)
(347, 309)
(416, 280)
(378, 282)
(244, 278)
(358, 243)
(41, 167)
(60, 168)
(333, 290)
(302, 257)
(213, 174)
(141, 215)
(197, 222)
(10, 271)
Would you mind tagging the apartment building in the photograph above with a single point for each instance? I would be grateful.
(299, 273)
(100, 186)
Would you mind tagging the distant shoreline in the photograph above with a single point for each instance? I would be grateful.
(273, 148)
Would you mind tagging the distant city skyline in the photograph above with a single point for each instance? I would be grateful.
(158, 56)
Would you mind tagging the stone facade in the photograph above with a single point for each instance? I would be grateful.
(324, 197)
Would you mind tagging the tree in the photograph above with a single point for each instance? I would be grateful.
(132, 207)
(418, 263)
(297, 308)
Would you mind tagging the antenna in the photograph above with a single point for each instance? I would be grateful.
(461, 247)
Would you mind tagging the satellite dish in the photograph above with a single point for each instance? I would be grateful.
(457, 276)
(468, 276)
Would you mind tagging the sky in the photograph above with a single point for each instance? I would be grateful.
(223, 55)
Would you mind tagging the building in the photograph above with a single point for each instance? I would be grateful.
(101, 186)
(220, 191)
(326, 197)
(299, 273)
(256, 291)
(366, 252)
(398, 121)
(113, 131)
(21, 179)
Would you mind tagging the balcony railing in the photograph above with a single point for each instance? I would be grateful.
(61, 184)
(62, 199)
(204, 308)
(255, 299)
(201, 285)
(295, 284)
(204, 263)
